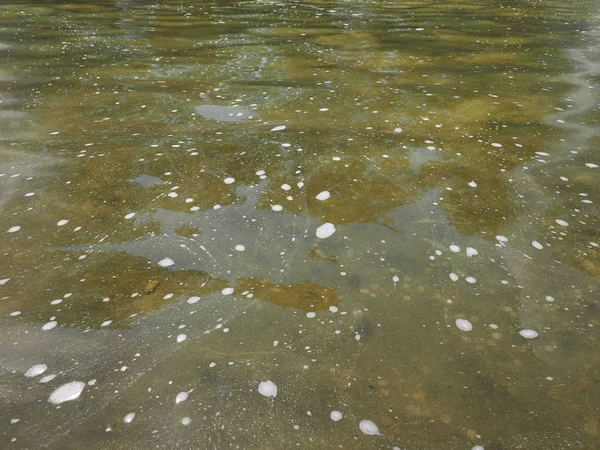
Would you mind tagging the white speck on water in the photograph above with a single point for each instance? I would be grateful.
(181, 397)
(453, 276)
(129, 418)
(562, 223)
(471, 280)
(592, 165)
(398, 130)
(267, 388)
(472, 184)
(278, 128)
(368, 427)
(311, 315)
(181, 337)
(36, 370)
(4, 281)
(493, 326)
(166, 262)
(106, 323)
(471, 252)
(62, 222)
(325, 230)
(14, 229)
(48, 326)
(67, 392)
(324, 109)
(277, 208)
(186, 421)
(333, 309)
(240, 248)
(478, 447)
(47, 378)
(130, 215)
(193, 300)
(529, 334)
(454, 248)
(395, 278)
(227, 291)
(549, 298)
(229, 180)
(335, 416)
(497, 145)
(286, 187)
(15, 313)
(324, 195)
(537, 245)
(464, 325)
(501, 238)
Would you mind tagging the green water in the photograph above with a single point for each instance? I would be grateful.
(452, 147)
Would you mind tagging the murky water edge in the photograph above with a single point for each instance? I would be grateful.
(386, 209)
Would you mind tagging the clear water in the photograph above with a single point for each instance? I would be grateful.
(145, 170)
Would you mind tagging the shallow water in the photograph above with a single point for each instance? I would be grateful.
(387, 209)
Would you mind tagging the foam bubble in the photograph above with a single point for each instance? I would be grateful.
(529, 334)
(368, 427)
(464, 325)
(267, 388)
(325, 230)
(323, 195)
(278, 128)
(181, 397)
(67, 392)
(36, 370)
(227, 291)
(335, 416)
(166, 262)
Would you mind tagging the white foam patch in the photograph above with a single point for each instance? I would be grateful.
(325, 230)
(36, 370)
(181, 397)
(227, 291)
(14, 229)
(267, 388)
(286, 187)
(529, 334)
(471, 280)
(501, 238)
(323, 195)
(549, 298)
(592, 165)
(311, 315)
(277, 208)
(368, 427)
(278, 128)
(537, 245)
(471, 252)
(129, 418)
(240, 248)
(336, 415)
(472, 184)
(62, 222)
(130, 216)
(464, 325)
(193, 300)
(67, 392)
(453, 277)
(229, 180)
(454, 248)
(181, 337)
(166, 262)
(562, 223)
(106, 323)
(48, 326)
(47, 378)
(398, 130)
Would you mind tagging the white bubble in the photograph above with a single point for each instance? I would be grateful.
(166, 262)
(311, 315)
(471, 280)
(471, 252)
(181, 397)
(14, 229)
(454, 248)
(229, 180)
(277, 208)
(240, 248)
(453, 277)
(36, 370)
(335, 416)
(227, 291)
(562, 223)
(129, 418)
(62, 222)
(529, 334)
(67, 392)
(267, 388)
(537, 245)
(278, 128)
(324, 195)
(368, 427)
(325, 230)
(464, 325)
(472, 184)
(193, 300)
(181, 337)
(501, 238)
(48, 326)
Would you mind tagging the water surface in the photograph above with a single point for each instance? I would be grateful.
(387, 209)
